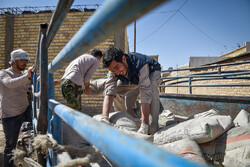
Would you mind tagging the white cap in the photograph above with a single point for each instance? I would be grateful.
(18, 54)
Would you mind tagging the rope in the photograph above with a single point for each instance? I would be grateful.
(84, 155)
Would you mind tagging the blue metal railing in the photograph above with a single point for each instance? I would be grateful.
(119, 148)
(112, 16)
(177, 81)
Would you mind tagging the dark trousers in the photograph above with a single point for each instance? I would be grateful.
(11, 127)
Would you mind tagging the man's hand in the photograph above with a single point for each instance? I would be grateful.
(56, 82)
(105, 120)
(30, 70)
(143, 129)
(87, 91)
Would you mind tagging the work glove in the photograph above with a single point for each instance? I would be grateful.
(143, 129)
(105, 120)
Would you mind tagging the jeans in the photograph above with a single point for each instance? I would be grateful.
(11, 127)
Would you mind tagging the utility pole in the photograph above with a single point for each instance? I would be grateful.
(135, 36)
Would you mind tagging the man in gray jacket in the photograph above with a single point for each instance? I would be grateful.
(14, 105)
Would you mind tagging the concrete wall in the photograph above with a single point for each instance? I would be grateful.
(21, 31)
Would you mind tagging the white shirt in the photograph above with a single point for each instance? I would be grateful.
(81, 69)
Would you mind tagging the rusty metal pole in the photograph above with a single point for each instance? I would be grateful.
(42, 123)
(43, 107)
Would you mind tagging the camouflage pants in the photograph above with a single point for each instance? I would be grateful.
(72, 94)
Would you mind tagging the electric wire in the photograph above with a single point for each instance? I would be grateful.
(178, 11)
(163, 23)
(202, 31)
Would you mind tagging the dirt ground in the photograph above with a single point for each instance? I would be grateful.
(2, 143)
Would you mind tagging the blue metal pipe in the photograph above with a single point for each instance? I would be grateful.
(112, 16)
(51, 94)
(55, 122)
(119, 148)
(57, 18)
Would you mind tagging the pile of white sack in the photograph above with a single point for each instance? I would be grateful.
(207, 138)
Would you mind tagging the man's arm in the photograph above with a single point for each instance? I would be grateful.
(107, 104)
(15, 82)
(109, 95)
(87, 89)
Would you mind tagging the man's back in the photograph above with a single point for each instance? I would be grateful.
(81, 69)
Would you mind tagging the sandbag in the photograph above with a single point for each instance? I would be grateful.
(166, 118)
(187, 148)
(242, 119)
(200, 129)
(128, 125)
(239, 157)
(211, 112)
(121, 120)
(97, 86)
(137, 135)
(237, 137)
(125, 123)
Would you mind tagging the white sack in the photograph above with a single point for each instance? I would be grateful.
(125, 123)
(187, 148)
(239, 157)
(166, 118)
(200, 129)
(234, 138)
(242, 119)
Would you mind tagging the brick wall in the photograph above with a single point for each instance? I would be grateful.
(2, 41)
(25, 36)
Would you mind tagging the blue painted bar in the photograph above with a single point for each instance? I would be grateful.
(112, 16)
(119, 148)
(51, 94)
(34, 99)
(55, 122)
(57, 18)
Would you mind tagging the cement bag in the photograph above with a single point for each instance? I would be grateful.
(97, 86)
(187, 148)
(201, 130)
(242, 119)
(166, 118)
(137, 135)
(239, 157)
(127, 124)
(237, 137)
(121, 120)
(211, 112)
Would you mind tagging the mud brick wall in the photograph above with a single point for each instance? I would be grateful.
(21, 31)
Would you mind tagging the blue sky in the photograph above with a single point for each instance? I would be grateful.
(179, 29)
